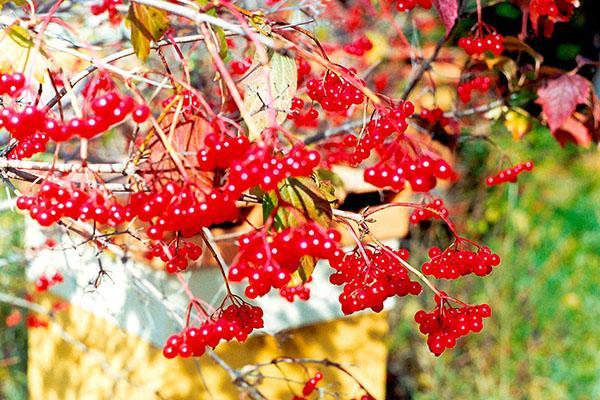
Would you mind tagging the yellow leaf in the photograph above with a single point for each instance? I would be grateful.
(16, 55)
(146, 24)
(269, 87)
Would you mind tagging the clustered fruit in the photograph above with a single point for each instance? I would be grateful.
(491, 42)
(432, 210)
(12, 84)
(444, 324)
(53, 201)
(370, 276)
(334, 93)
(43, 283)
(359, 46)
(109, 6)
(434, 116)
(407, 5)
(176, 255)
(544, 7)
(421, 172)
(510, 174)
(301, 291)
(307, 119)
(235, 321)
(268, 260)
(254, 165)
(453, 263)
(480, 83)
(240, 67)
(311, 384)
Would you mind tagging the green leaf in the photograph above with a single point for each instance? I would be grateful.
(20, 36)
(146, 24)
(306, 197)
(271, 86)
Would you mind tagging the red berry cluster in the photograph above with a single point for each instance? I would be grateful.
(12, 84)
(445, 324)
(181, 208)
(27, 127)
(221, 151)
(434, 210)
(52, 202)
(177, 255)
(334, 93)
(407, 5)
(260, 167)
(390, 121)
(491, 42)
(421, 173)
(510, 174)
(480, 83)
(544, 7)
(269, 261)
(308, 119)
(239, 67)
(33, 321)
(359, 46)
(434, 116)
(371, 277)
(43, 283)
(311, 384)
(453, 263)
(236, 321)
(303, 69)
(301, 291)
(109, 6)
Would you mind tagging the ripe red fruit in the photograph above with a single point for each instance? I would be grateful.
(510, 174)
(140, 113)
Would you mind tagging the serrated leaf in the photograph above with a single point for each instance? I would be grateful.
(146, 24)
(269, 87)
(448, 10)
(559, 97)
(305, 196)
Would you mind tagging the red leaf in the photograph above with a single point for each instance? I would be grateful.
(559, 97)
(448, 10)
(573, 131)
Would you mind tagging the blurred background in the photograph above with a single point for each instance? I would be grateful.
(543, 340)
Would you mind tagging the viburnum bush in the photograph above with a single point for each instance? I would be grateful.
(150, 138)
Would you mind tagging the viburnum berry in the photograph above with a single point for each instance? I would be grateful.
(267, 260)
(236, 321)
(176, 255)
(33, 321)
(544, 7)
(510, 174)
(140, 113)
(110, 7)
(370, 276)
(333, 92)
(434, 116)
(455, 262)
(480, 84)
(43, 283)
(476, 45)
(191, 102)
(432, 210)
(240, 67)
(407, 5)
(311, 384)
(302, 291)
(359, 46)
(12, 84)
(444, 324)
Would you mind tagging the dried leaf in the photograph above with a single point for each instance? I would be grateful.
(559, 97)
(146, 24)
(281, 73)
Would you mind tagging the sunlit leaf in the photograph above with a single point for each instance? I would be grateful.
(146, 24)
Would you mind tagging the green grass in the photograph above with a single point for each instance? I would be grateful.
(543, 339)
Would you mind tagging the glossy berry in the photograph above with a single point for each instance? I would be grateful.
(476, 46)
(510, 174)
(432, 210)
(480, 84)
(454, 262)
